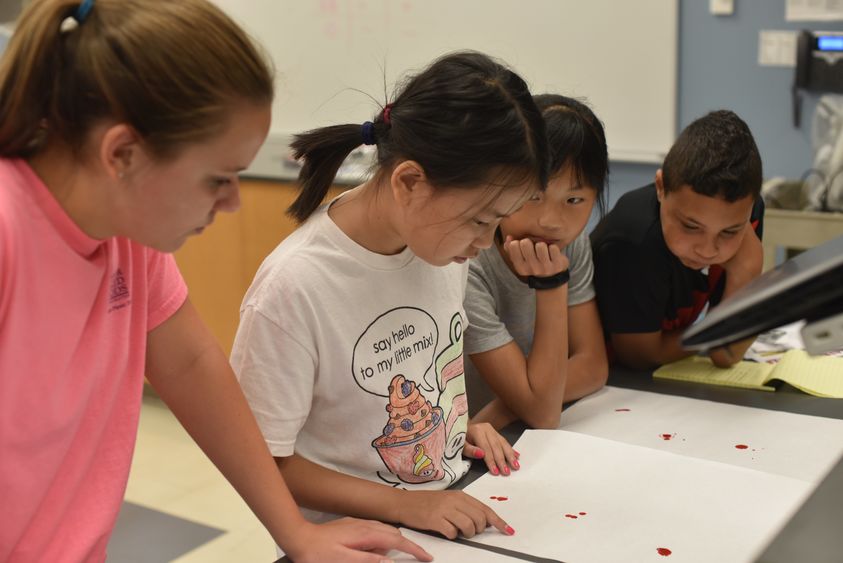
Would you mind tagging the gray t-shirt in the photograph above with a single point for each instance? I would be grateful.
(501, 308)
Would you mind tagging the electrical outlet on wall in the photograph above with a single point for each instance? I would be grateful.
(722, 7)
(777, 48)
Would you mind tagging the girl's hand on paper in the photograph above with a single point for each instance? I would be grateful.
(484, 442)
(451, 513)
(350, 539)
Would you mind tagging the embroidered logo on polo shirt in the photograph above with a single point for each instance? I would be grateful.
(118, 293)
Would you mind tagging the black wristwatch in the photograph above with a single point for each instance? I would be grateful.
(549, 282)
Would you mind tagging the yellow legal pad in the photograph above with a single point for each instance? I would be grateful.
(821, 376)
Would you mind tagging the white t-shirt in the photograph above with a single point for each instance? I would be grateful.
(354, 360)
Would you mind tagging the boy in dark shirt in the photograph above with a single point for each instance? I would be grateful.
(667, 250)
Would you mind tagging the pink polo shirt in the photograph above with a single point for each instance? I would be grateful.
(74, 317)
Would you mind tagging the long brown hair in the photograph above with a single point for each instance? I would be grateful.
(172, 70)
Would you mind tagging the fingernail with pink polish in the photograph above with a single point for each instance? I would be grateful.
(505, 470)
(479, 454)
(515, 464)
(516, 453)
(494, 471)
(510, 530)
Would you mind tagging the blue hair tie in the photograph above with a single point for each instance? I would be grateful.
(79, 16)
(368, 131)
(83, 10)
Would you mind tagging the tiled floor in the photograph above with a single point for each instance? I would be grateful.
(171, 475)
(145, 534)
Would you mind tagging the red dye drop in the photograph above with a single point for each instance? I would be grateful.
(571, 516)
(582, 513)
(503, 498)
(741, 446)
(494, 498)
(668, 436)
(621, 410)
(663, 551)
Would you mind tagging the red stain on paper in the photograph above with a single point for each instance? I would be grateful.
(621, 410)
(574, 516)
(663, 551)
(582, 513)
(668, 436)
(741, 446)
(499, 498)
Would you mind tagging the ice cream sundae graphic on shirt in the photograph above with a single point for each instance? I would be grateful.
(413, 441)
(427, 413)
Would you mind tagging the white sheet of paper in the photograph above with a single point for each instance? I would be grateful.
(631, 501)
(446, 551)
(794, 445)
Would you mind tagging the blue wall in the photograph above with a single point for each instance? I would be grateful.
(718, 68)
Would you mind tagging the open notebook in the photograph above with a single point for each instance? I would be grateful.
(821, 376)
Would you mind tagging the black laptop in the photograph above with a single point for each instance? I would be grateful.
(808, 286)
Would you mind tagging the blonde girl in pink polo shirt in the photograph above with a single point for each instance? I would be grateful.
(123, 125)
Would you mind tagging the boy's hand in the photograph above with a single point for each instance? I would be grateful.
(450, 513)
(483, 441)
(748, 261)
(350, 539)
(535, 258)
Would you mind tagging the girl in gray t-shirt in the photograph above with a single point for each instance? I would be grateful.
(536, 281)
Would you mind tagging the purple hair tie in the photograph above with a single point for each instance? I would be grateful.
(368, 131)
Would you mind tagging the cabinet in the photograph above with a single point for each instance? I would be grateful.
(219, 265)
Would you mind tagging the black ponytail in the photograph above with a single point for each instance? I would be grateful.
(322, 152)
(466, 119)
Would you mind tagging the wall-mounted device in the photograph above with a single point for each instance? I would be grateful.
(819, 66)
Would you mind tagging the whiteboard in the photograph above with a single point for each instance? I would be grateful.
(331, 55)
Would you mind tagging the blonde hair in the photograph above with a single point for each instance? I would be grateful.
(171, 69)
